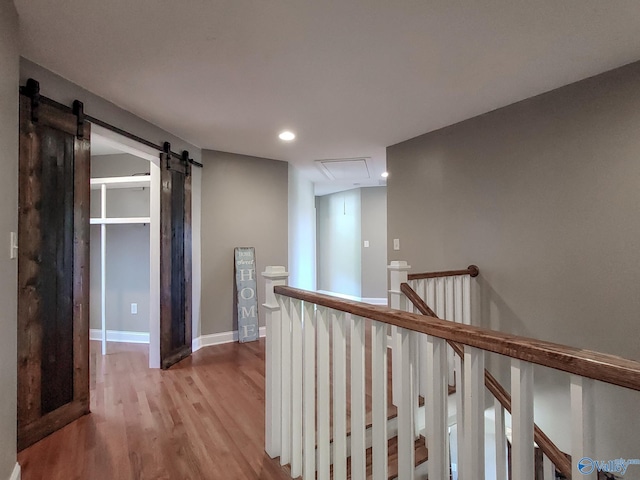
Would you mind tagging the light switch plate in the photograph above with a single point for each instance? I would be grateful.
(396, 244)
(13, 246)
(366, 244)
(134, 308)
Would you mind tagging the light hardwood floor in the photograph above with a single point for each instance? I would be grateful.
(202, 419)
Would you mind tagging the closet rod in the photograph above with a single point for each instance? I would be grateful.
(32, 90)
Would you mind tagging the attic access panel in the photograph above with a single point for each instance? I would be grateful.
(345, 168)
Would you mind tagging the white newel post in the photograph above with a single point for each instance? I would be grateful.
(397, 275)
(273, 276)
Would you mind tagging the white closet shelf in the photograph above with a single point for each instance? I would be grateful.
(120, 221)
(136, 181)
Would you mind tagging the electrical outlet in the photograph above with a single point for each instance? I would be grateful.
(396, 244)
(134, 309)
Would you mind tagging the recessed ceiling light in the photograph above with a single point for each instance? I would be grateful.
(384, 174)
(287, 136)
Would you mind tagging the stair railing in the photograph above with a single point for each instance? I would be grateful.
(449, 293)
(307, 336)
(554, 458)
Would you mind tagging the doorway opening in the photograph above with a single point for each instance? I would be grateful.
(125, 243)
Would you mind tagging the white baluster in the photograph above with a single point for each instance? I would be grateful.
(522, 450)
(358, 408)
(397, 275)
(440, 307)
(430, 297)
(459, 367)
(309, 391)
(420, 289)
(501, 442)
(418, 346)
(396, 389)
(296, 388)
(450, 315)
(548, 469)
(285, 365)
(459, 372)
(449, 298)
(466, 302)
(406, 434)
(324, 420)
(379, 394)
(339, 396)
(415, 349)
(458, 299)
(273, 355)
(437, 414)
(423, 365)
(473, 453)
(582, 424)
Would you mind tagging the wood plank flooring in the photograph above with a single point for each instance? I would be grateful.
(202, 419)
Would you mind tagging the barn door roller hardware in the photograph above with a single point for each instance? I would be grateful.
(184, 159)
(32, 90)
(78, 111)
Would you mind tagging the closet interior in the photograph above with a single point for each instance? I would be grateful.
(120, 247)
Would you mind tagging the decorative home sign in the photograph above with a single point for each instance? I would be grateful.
(246, 298)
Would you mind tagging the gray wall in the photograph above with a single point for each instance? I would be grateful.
(127, 271)
(9, 61)
(302, 231)
(127, 277)
(244, 205)
(339, 247)
(543, 195)
(373, 201)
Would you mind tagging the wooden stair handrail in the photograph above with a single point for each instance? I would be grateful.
(557, 457)
(586, 363)
(471, 270)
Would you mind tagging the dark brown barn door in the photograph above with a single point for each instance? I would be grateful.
(175, 259)
(53, 268)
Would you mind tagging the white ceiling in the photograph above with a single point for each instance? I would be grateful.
(349, 77)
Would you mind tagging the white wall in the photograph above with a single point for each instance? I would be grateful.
(339, 246)
(374, 230)
(9, 61)
(344, 221)
(302, 231)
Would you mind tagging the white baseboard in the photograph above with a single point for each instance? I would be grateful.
(143, 337)
(219, 339)
(16, 472)
(375, 301)
(369, 300)
(120, 336)
(340, 295)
